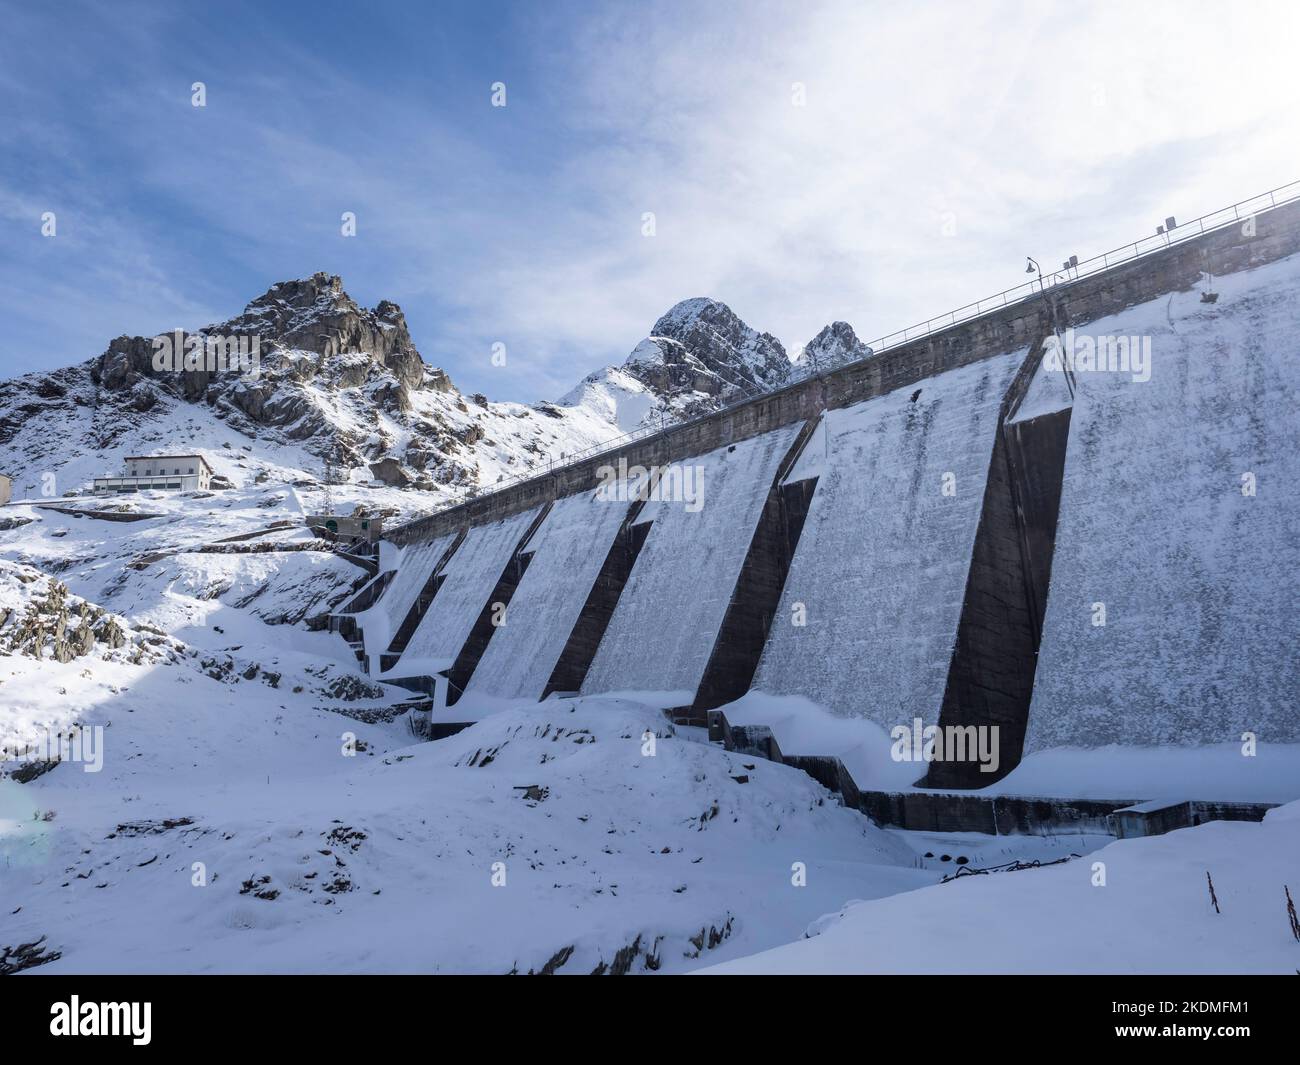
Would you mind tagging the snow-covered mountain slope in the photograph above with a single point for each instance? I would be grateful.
(244, 831)
(184, 554)
(1136, 906)
(226, 589)
(700, 356)
(335, 383)
(339, 390)
(718, 347)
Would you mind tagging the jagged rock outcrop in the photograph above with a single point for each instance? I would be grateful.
(41, 619)
(700, 345)
(303, 332)
(834, 346)
(335, 380)
(346, 385)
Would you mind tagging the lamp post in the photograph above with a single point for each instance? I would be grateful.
(1031, 265)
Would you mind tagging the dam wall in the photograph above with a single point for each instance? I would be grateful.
(667, 619)
(467, 581)
(412, 569)
(567, 553)
(1173, 611)
(874, 592)
(955, 531)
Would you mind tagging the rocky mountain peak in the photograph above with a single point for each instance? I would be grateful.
(343, 385)
(333, 384)
(701, 345)
(834, 346)
(315, 314)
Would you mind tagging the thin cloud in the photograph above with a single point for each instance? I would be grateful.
(938, 145)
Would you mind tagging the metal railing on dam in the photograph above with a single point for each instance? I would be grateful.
(1009, 299)
(1125, 253)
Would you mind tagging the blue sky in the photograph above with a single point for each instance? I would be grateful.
(937, 146)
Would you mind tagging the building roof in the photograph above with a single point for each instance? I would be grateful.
(130, 458)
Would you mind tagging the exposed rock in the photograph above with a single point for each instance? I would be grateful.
(109, 632)
(720, 346)
(25, 956)
(151, 828)
(347, 385)
(349, 689)
(834, 346)
(29, 770)
(39, 618)
(390, 471)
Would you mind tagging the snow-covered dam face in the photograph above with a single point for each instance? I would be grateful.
(667, 619)
(567, 552)
(413, 569)
(1175, 593)
(468, 579)
(873, 596)
(992, 529)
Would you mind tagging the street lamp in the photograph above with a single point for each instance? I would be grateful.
(1031, 265)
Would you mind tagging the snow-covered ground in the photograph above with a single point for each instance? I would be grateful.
(551, 834)
(188, 554)
(1135, 906)
(1266, 772)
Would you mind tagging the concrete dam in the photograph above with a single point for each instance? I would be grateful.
(1072, 517)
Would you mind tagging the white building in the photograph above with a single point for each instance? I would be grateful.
(185, 473)
(6, 489)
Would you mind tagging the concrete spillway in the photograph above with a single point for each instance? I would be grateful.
(413, 569)
(1198, 578)
(668, 616)
(567, 552)
(869, 614)
(468, 579)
